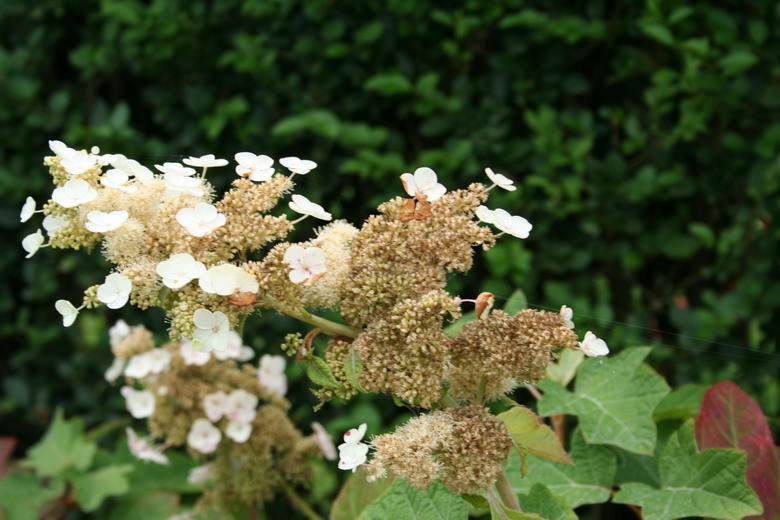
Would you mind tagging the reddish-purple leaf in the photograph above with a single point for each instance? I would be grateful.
(7, 445)
(729, 418)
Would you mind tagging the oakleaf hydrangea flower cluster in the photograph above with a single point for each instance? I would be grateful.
(209, 261)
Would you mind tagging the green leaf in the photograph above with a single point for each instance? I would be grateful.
(633, 467)
(405, 501)
(148, 506)
(356, 494)
(709, 483)
(90, 489)
(512, 515)
(737, 62)
(389, 84)
(516, 302)
(589, 481)
(614, 399)
(657, 32)
(476, 501)
(542, 501)
(319, 373)
(63, 446)
(565, 368)
(319, 121)
(154, 477)
(683, 403)
(352, 368)
(22, 495)
(532, 435)
(452, 329)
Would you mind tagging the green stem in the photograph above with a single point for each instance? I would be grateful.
(325, 325)
(481, 392)
(495, 503)
(448, 402)
(107, 427)
(504, 488)
(302, 505)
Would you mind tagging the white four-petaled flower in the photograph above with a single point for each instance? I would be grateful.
(78, 163)
(215, 405)
(353, 452)
(227, 279)
(324, 441)
(593, 346)
(567, 314)
(179, 183)
(73, 193)
(54, 223)
(500, 180)
(101, 222)
(32, 243)
(512, 224)
(203, 436)
(238, 431)
(179, 270)
(175, 168)
(140, 403)
(211, 330)
(60, 149)
(67, 311)
(115, 291)
(28, 210)
(304, 206)
(132, 168)
(296, 165)
(205, 161)
(200, 220)
(306, 264)
(257, 168)
(241, 406)
(235, 349)
(118, 179)
(192, 356)
(271, 374)
(423, 182)
(143, 450)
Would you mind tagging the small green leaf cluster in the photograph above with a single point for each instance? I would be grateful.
(67, 469)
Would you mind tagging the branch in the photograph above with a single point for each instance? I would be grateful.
(325, 325)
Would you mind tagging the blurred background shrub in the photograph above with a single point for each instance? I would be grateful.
(644, 136)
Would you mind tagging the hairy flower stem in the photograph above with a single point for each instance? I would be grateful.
(508, 496)
(495, 503)
(300, 503)
(325, 325)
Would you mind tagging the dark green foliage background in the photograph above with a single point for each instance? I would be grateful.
(644, 138)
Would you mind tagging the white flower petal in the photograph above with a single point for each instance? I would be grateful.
(31, 243)
(28, 210)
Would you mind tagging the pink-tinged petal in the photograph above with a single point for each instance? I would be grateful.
(298, 276)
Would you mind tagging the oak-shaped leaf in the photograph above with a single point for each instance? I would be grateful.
(402, 500)
(63, 446)
(729, 418)
(614, 399)
(588, 481)
(710, 483)
(357, 493)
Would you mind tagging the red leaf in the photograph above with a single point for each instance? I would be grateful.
(7, 445)
(729, 418)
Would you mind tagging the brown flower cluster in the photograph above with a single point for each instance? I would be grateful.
(406, 352)
(461, 447)
(401, 260)
(505, 350)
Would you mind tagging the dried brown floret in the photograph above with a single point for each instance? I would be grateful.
(507, 350)
(462, 447)
(406, 352)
